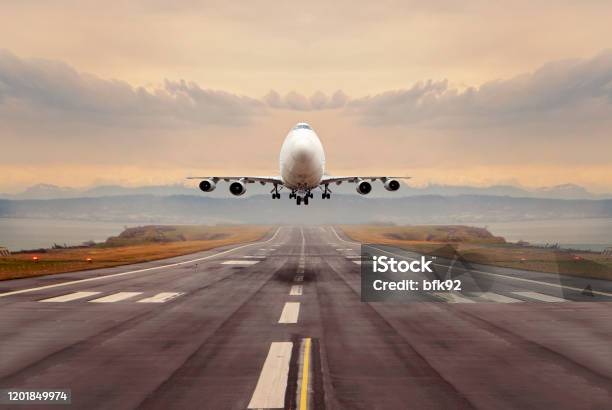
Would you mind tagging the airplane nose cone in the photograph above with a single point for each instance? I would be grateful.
(302, 153)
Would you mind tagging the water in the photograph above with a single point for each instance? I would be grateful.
(25, 233)
(588, 234)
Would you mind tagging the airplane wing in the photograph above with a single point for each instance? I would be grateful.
(354, 179)
(246, 179)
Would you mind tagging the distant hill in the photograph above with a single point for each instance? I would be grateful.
(48, 191)
(340, 209)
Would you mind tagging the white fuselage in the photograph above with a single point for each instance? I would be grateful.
(302, 160)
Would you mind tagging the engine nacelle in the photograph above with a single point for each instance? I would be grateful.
(392, 185)
(364, 187)
(208, 185)
(237, 188)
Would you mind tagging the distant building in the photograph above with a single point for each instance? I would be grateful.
(4, 251)
(607, 251)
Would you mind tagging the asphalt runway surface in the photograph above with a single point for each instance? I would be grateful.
(280, 324)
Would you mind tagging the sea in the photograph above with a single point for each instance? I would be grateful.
(29, 233)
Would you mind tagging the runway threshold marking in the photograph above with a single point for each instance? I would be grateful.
(70, 297)
(161, 297)
(554, 285)
(116, 297)
(115, 275)
(540, 296)
(305, 375)
(296, 290)
(290, 313)
(239, 262)
(272, 384)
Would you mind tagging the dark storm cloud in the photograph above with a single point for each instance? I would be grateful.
(558, 94)
(52, 93)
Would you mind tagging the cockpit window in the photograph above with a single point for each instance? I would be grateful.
(302, 126)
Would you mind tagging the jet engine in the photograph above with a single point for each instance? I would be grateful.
(392, 184)
(208, 185)
(237, 188)
(364, 187)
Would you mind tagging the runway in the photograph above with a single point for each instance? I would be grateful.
(279, 324)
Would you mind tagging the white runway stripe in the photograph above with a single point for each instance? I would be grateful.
(243, 262)
(298, 278)
(357, 262)
(255, 257)
(116, 275)
(296, 290)
(272, 384)
(494, 297)
(453, 297)
(71, 296)
(161, 297)
(290, 313)
(116, 297)
(539, 296)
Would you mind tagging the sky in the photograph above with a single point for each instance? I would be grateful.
(447, 91)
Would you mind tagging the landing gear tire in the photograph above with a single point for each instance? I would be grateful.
(306, 200)
(299, 200)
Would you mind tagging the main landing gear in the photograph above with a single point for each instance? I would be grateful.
(275, 194)
(326, 193)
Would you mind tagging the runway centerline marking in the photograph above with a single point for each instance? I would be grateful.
(299, 278)
(70, 297)
(114, 275)
(554, 285)
(272, 384)
(116, 297)
(296, 290)
(161, 297)
(290, 313)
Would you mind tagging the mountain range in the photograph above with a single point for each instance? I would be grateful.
(48, 191)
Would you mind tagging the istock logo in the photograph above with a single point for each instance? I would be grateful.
(384, 264)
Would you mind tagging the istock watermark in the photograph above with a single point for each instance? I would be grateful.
(392, 274)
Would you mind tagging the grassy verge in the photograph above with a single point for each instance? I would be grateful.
(479, 246)
(132, 246)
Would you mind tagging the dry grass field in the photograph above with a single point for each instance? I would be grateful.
(131, 246)
(479, 246)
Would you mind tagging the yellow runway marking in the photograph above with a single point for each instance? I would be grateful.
(305, 371)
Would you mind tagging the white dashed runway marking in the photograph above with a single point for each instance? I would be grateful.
(539, 296)
(238, 262)
(272, 384)
(296, 290)
(70, 297)
(494, 297)
(161, 297)
(116, 297)
(290, 313)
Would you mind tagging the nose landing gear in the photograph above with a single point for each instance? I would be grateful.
(300, 199)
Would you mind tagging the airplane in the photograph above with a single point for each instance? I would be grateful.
(302, 169)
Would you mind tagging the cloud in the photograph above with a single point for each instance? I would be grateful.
(54, 94)
(298, 102)
(557, 95)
